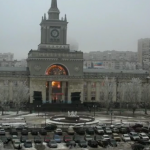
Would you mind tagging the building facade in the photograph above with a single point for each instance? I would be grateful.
(56, 72)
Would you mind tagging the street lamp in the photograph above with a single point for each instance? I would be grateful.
(111, 114)
(45, 119)
(38, 106)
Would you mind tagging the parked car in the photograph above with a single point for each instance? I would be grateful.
(143, 142)
(50, 127)
(103, 143)
(116, 137)
(17, 144)
(82, 143)
(115, 130)
(97, 137)
(20, 127)
(99, 130)
(90, 131)
(24, 132)
(23, 139)
(108, 131)
(6, 126)
(88, 137)
(134, 136)
(70, 130)
(123, 130)
(71, 143)
(113, 143)
(93, 143)
(137, 146)
(2, 132)
(47, 139)
(28, 144)
(37, 139)
(145, 129)
(67, 138)
(14, 137)
(77, 138)
(57, 138)
(52, 144)
(43, 132)
(58, 131)
(4, 139)
(34, 132)
(106, 137)
(126, 137)
(143, 136)
(13, 132)
(80, 131)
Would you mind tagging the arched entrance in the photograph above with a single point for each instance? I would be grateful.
(56, 91)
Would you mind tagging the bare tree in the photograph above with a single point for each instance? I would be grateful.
(108, 88)
(133, 93)
(145, 96)
(4, 96)
(20, 95)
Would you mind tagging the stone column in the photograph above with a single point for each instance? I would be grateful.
(89, 91)
(48, 34)
(43, 87)
(50, 92)
(97, 91)
(69, 93)
(10, 90)
(63, 91)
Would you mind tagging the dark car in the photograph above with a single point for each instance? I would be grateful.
(90, 131)
(50, 127)
(37, 139)
(143, 142)
(82, 144)
(71, 143)
(52, 144)
(21, 127)
(103, 143)
(4, 139)
(137, 146)
(145, 129)
(97, 137)
(43, 132)
(67, 138)
(13, 132)
(47, 139)
(34, 132)
(137, 125)
(24, 132)
(23, 139)
(77, 138)
(28, 144)
(93, 143)
(80, 131)
(123, 130)
(112, 143)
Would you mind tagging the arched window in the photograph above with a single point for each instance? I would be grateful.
(57, 70)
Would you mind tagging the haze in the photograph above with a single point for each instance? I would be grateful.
(96, 25)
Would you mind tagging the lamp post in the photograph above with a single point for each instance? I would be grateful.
(45, 119)
(111, 113)
(38, 106)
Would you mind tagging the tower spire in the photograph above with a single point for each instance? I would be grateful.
(54, 11)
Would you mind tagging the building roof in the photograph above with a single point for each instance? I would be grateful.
(13, 68)
(115, 71)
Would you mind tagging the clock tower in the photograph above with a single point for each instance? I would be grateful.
(53, 29)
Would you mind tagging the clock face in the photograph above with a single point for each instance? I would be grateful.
(54, 33)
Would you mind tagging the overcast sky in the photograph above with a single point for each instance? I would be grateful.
(96, 25)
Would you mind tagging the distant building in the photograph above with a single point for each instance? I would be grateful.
(6, 56)
(144, 52)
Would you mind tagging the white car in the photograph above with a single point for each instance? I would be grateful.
(99, 130)
(17, 144)
(143, 136)
(2, 132)
(6, 126)
(106, 137)
(126, 137)
(70, 130)
(58, 131)
(14, 138)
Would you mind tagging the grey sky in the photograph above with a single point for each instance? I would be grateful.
(94, 24)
